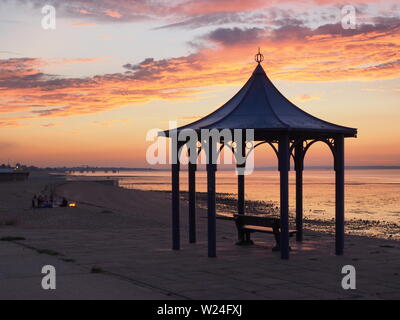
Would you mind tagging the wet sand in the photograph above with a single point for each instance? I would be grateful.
(227, 207)
(122, 238)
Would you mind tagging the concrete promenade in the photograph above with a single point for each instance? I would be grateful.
(127, 243)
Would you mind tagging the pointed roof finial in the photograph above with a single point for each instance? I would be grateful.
(259, 57)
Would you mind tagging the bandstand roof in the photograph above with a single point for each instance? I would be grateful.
(259, 105)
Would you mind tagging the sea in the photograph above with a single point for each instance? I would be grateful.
(370, 194)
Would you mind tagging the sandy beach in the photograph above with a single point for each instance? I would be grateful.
(116, 245)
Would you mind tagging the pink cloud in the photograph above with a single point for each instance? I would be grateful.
(113, 14)
(83, 24)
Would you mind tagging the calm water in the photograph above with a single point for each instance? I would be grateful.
(370, 194)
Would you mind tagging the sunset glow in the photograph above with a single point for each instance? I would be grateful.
(88, 91)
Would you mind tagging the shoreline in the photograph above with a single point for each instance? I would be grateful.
(227, 206)
(371, 197)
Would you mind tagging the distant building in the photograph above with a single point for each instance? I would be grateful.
(10, 174)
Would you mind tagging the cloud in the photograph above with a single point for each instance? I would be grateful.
(23, 87)
(48, 125)
(7, 124)
(26, 73)
(184, 13)
(83, 24)
(307, 54)
(150, 69)
(283, 26)
(306, 97)
(213, 19)
(113, 14)
(103, 10)
(49, 112)
(235, 36)
(16, 121)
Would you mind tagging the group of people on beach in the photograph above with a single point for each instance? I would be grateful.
(43, 201)
(46, 199)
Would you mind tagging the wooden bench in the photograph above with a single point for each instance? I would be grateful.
(246, 224)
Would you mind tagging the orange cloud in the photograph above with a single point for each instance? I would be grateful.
(14, 121)
(306, 97)
(212, 6)
(48, 125)
(319, 55)
(83, 11)
(5, 124)
(83, 24)
(113, 14)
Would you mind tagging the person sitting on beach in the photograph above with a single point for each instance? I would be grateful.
(40, 201)
(34, 201)
(47, 204)
(51, 199)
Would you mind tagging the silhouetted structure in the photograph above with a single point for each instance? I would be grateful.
(13, 175)
(289, 131)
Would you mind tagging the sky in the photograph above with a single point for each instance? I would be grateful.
(88, 91)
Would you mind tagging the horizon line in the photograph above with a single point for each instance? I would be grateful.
(312, 167)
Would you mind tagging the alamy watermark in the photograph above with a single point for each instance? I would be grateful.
(348, 20)
(203, 146)
(349, 280)
(49, 280)
(49, 19)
